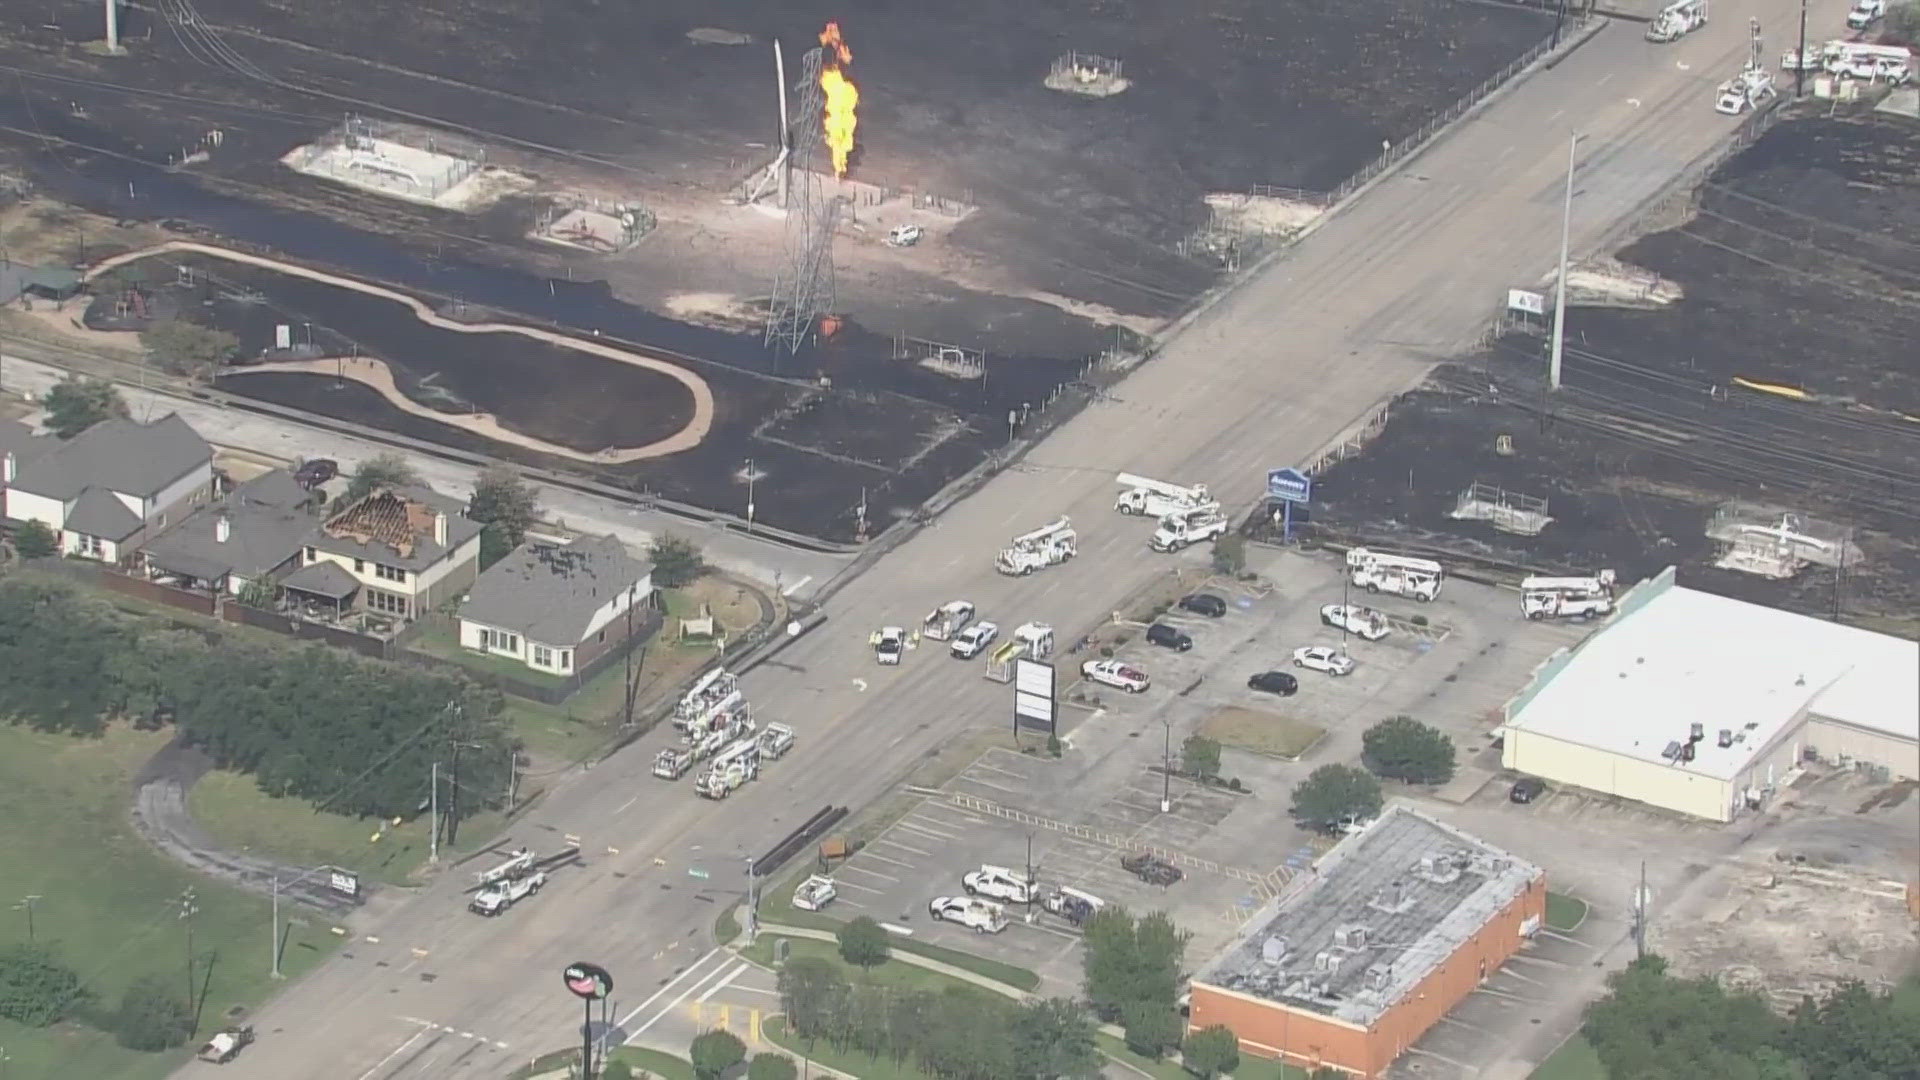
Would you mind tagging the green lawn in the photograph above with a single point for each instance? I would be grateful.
(237, 814)
(109, 904)
(1265, 733)
(776, 906)
(851, 1062)
(655, 1062)
(1565, 912)
(1116, 1048)
(1575, 1060)
(442, 639)
(895, 974)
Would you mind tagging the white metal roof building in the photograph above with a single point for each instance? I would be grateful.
(1705, 705)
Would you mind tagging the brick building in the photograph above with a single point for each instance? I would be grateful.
(1397, 925)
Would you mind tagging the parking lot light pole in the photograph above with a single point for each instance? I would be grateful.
(1031, 889)
(1166, 769)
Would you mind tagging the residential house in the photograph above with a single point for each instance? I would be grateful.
(399, 552)
(557, 608)
(105, 491)
(18, 446)
(255, 532)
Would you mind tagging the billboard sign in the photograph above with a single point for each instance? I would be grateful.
(1532, 303)
(344, 882)
(1033, 695)
(589, 981)
(1289, 485)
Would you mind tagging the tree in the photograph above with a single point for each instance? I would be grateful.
(77, 402)
(507, 505)
(378, 471)
(1328, 1072)
(616, 1070)
(1332, 792)
(261, 592)
(811, 991)
(1054, 1038)
(716, 1051)
(1127, 960)
(36, 989)
(1230, 554)
(1200, 756)
(1151, 1026)
(34, 540)
(184, 347)
(863, 942)
(1903, 24)
(495, 545)
(1211, 1052)
(151, 1017)
(1402, 748)
(676, 561)
(771, 1066)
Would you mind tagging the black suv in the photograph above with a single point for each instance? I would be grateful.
(1204, 604)
(311, 474)
(1274, 682)
(1171, 637)
(1526, 789)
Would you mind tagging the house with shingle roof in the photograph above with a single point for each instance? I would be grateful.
(105, 491)
(556, 608)
(255, 532)
(399, 551)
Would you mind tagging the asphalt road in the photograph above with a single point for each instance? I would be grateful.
(1355, 312)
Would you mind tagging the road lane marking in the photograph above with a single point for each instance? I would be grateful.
(723, 983)
(802, 583)
(670, 1006)
(629, 802)
(1001, 771)
(396, 1052)
(671, 983)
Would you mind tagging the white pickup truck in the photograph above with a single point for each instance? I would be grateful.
(502, 895)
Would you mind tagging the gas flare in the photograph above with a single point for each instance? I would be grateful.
(842, 96)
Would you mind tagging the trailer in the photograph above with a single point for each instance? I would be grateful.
(1187, 527)
(1030, 641)
(1676, 20)
(501, 895)
(1567, 597)
(1399, 575)
(731, 769)
(946, 620)
(1048, 545)
(1157, 498)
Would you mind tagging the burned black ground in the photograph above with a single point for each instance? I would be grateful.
(1800, 268)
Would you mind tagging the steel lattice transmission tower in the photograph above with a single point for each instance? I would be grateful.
(803, 290)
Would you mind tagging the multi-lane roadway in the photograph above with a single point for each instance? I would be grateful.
(1352, 314)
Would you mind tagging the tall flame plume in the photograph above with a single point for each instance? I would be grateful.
(843, 98)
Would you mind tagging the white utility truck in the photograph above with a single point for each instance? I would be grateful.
(1400, 575)
(227, 1045)
(1676, 20)
(888, 643)
(1000, 883)
(730, 770)
(1749, 89)
(775, 741)
(673, 762)
(946, 620)
(815, 893)
(1567, 597)
(1157, 498)
(717, 691)
(1865, 13)
(1049, 545)
(1874, 63)
(981, 916)
(503, 894)
(518, 863)
(1185, 527)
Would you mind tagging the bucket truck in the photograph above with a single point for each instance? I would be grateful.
(1185, 527)
(1676, 20)
(1400, 575)
(503, 894)
(1748, 89)
(1157, 498)
(1049, 545)
(1865, 13)
(717, 690)
(1567, 597)
(731, 769)
(946, 620)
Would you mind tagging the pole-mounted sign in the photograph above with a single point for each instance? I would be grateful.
(589, 983)
(1288, 486)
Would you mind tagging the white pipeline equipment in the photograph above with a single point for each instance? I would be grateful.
(1049, 545)
(1567, 597)
(1676, 20)
(1399, 575)
(1157, 498)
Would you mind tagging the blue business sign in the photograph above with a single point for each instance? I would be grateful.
(1289, 485)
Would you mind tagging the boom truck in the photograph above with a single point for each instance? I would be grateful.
(730, 770)
(1676, 20)
(1399, 575)
(1157, 498)
(1567, 597)
(506, 884)
(1049, 545)
(946, 620)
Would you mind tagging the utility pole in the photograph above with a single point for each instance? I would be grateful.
(749, 495)
(113, 27)
(753, 902)
(1640, 915)
(187, 910)
(455, 712)
(433, 814)
(1031, 888)
(1560, 283)
(631, 687)
(1800, 68)
(26, 902)
(1559, 19)
(273, 945)
(513, 776)
(1166, 769)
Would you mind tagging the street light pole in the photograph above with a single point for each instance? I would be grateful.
(1166, 769)
(749, 494)
(1560, 282)
(1800, 66)
(753, 903)
(1030, 883)
(27, 903)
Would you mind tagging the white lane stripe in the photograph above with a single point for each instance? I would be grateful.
(657, 994)
(397, 1051)
(722, 984)
(675, 1003)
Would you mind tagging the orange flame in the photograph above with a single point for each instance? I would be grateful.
(842, 97)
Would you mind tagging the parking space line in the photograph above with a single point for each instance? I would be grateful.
(862, 888)
(914, 824)
(991, 784)
(896, 862)
(998, 769)
(870, 873)
(895, 843)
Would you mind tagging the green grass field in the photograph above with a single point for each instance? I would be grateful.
(110, 905)
(850, 1062)
(1575, 1060)
(776, 907)
(1565, 912)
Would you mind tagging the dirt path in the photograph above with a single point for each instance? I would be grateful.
(160, 815)
(376, 374)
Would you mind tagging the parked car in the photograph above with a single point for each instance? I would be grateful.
(1203, 604)
(974, 640)
(1527, 788)
(1362, 622)
(311, 474)
(1151, 869)
(1117, 674)
(1072, 904)
(1169, 637)
(1274, 682)
(888, 643)
(1323, 658)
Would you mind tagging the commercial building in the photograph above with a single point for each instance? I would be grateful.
(1707, 706)
(1397, 925)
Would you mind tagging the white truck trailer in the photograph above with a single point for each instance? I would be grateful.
(1188, 527)
(1567, 597)
(1157, 498)
(1399, 575)
(1049, 545)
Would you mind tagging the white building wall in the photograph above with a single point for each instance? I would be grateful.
(26, 506)
(365, 576)
(1835, 741)
(196, 485)
(617, 607)
(473, 636)
(431, 576)
(1670, 787)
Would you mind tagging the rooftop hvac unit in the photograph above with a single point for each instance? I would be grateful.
(1274, 949)
(1392, 898)
(1697, 732)
(1686, 751)
(1439, 868)
(1672, 752)
(1352, 938)
(1327, 961)
(1726, 737)
(1378, 976)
